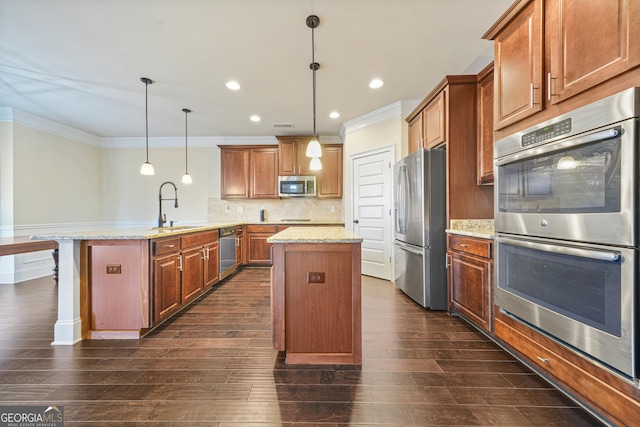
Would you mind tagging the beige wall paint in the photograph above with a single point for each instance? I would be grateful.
(130, 197)
(6, 177)
(56, 179)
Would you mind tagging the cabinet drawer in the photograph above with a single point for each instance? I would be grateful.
(199, 239)
(165, 246)
(470, 245)
(253, 228)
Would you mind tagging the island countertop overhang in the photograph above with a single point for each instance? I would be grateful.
(315, 235)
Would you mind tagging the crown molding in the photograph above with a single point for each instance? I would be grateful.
(8, 114)
(178, 141)
(396, 110)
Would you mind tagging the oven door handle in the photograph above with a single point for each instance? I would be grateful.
(610, 256)
(574, 142)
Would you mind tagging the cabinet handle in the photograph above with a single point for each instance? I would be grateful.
(180, 263)
(447, 262)
(549, 89)
(169, 246)
(531, 97)
(204, 254)
(208, 250)
(463, 245)
(543, 359)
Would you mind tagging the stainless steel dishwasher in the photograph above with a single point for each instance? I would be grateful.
(227, 251)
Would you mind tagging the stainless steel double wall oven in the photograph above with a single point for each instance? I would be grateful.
(566, 221)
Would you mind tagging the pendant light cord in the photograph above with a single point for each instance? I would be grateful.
(186, 168)
(146, 115)
(314, 67)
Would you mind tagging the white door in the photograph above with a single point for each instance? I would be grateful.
(371, 202)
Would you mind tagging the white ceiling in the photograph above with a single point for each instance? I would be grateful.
(79, 62)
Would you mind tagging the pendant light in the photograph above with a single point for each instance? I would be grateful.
(147, 168)
(186, 178)
(313, 148)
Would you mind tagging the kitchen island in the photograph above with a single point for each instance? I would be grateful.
(316, 313)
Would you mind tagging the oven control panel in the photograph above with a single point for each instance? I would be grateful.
(548, 132)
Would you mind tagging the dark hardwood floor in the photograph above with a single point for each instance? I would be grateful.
(213, 365)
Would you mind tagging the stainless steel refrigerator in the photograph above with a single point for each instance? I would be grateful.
(420, 221)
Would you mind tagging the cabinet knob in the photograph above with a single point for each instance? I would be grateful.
(355, 221)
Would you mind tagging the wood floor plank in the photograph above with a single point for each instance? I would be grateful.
(213, 365)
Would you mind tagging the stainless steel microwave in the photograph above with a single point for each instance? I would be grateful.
(297, 186)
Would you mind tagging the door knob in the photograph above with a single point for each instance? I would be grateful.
(355, 221)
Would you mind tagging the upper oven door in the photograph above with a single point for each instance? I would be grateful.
(579, 188)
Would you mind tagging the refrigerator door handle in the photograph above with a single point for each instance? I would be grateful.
(409, 248)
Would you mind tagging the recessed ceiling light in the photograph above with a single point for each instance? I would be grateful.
(334, 114)
(375, 83)
(233, 85)
(254, 118)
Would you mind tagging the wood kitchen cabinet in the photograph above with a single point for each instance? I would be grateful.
(547, 52)
(199, 264)
(166, 278)
(455, 128)
(258, 250)
(427, 129)
(263, 173)
(470, 264)
(485, 126)
(329, 180)
(292, 158)
(240, 246)
(249, 172)
(211, 264)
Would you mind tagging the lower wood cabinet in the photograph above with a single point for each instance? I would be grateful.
(470, 264)
(258, 250)
(240, 246)
(211, 264)
(167, 297)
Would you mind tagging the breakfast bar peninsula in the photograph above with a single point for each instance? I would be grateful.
(316, 313)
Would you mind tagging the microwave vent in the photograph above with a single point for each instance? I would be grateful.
(283, 125)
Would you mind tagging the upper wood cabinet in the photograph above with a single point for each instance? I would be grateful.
(293, 158)
(549, 51)
(451, 109)
(428, 128)
(249, 172)
(589, 42)
(263, 173)
(485, 125)
(234, 172)
(329, 181)
(518, 66)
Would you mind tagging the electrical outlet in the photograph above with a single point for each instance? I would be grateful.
(114, 269)
(226, 208)
(315, 277)
(333, 208)
(240, 209)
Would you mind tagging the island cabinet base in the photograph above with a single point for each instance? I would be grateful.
(115, 287)
(316, 305)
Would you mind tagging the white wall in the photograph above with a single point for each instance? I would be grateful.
(6, 178)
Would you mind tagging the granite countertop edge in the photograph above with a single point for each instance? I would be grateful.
(148, 232)
(315, 235)
(483, 234)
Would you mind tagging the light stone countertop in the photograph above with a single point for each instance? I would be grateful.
(315, 235)
(482, 228)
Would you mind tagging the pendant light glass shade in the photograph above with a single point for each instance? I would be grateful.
(315, 164)
(314, 149)
(186, 178)
(146, 168)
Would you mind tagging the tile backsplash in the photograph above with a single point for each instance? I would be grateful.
(275, 210)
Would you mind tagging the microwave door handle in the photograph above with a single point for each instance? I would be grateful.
(610, 256)
(574, 142)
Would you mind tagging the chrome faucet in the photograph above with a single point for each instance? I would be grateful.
(162, 219)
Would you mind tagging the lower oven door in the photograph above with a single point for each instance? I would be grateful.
(582, 295)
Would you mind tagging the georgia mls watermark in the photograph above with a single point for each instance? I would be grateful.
(31, 416)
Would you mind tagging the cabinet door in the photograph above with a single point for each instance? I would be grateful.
(258, 250)
(330, 179)
(192, 274)
(518, 67)
(434, 119)
(287, 157)
(590, 42)
(485, 126)
(470, 287)
(234, 173)
(264, 173)
(211, 264)
(415, 134)
(166, 287)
